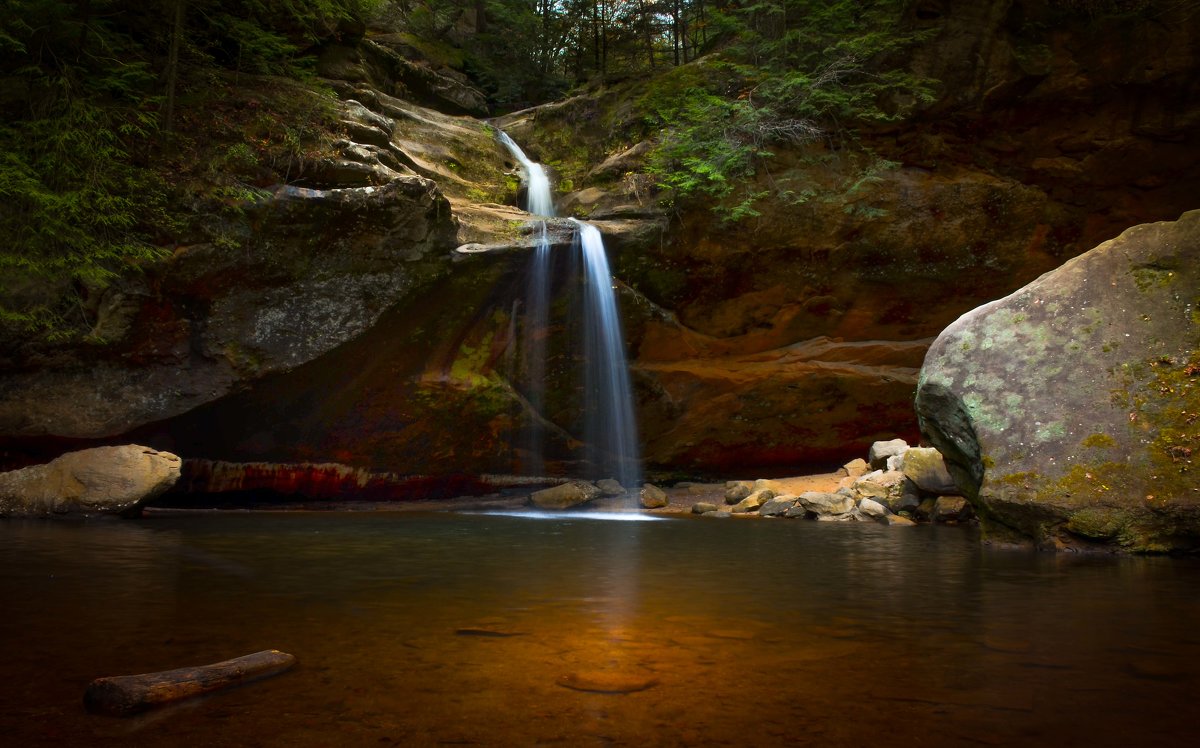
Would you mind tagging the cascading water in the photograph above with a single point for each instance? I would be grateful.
(611, 428)
(540, 202)
(537, 185)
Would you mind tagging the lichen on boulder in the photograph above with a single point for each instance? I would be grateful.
(1069, 411)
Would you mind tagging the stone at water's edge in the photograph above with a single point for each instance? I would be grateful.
(927, 470)
(825, 505)
(610, 487)
(752, 502)
(564, 496)
(736, 490)
(652, 497)
(873, 509)
(1069, 411)
(103, 480)
(778, 505)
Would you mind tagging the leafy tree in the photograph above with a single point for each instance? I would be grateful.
(791, 71)
(85, 91)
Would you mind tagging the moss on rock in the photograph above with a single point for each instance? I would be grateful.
(1081, 392)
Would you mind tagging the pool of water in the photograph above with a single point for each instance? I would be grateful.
(469, 629)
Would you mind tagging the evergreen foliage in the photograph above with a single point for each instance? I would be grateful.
(84, 176)
(793, 71)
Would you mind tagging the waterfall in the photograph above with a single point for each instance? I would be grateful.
(612, 430)
(537, 185)
(539, 202)
(608, 404)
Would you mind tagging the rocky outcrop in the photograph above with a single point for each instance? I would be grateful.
(102, 480)
(314, 269)
(386, 63)
(1068, 410)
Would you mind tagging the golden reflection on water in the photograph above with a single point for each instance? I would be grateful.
(482, 631)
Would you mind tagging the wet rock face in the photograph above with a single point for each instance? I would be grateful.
(316, 268)
(1070, 410)
(102, 480)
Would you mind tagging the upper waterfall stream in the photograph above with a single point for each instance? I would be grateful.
(609, 421)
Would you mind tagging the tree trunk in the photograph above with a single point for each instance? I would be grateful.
(123, 695)
(675, 40)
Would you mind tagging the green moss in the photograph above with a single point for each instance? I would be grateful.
(1097, 523)
(1150, 278)
(1025, 479)
(1099, 441)
(1051, 432)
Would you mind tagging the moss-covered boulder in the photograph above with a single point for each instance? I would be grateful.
(1069, 411)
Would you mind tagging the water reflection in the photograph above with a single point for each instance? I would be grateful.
(742, 632)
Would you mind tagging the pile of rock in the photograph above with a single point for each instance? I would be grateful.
(896, 485)
(578, 492)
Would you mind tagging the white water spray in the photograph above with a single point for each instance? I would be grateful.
(540, 202)
(611, 428)
(537, 185)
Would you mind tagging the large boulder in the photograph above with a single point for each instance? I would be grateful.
(102, 480)
(1068, 410)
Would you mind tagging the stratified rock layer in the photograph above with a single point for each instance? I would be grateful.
(1070, 410)
(102, 480)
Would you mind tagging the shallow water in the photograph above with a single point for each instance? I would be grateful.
(466, 629)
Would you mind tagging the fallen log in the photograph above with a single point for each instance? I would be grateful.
(123, 695)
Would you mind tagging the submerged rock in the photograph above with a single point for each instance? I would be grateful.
(103, 480)
(1068, 409)
(703, 507)
(607, 682)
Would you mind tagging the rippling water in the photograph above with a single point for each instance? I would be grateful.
(465, 630)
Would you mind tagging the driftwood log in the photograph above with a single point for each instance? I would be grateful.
(123, 695)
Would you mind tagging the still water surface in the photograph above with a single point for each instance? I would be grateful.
(747, 633)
